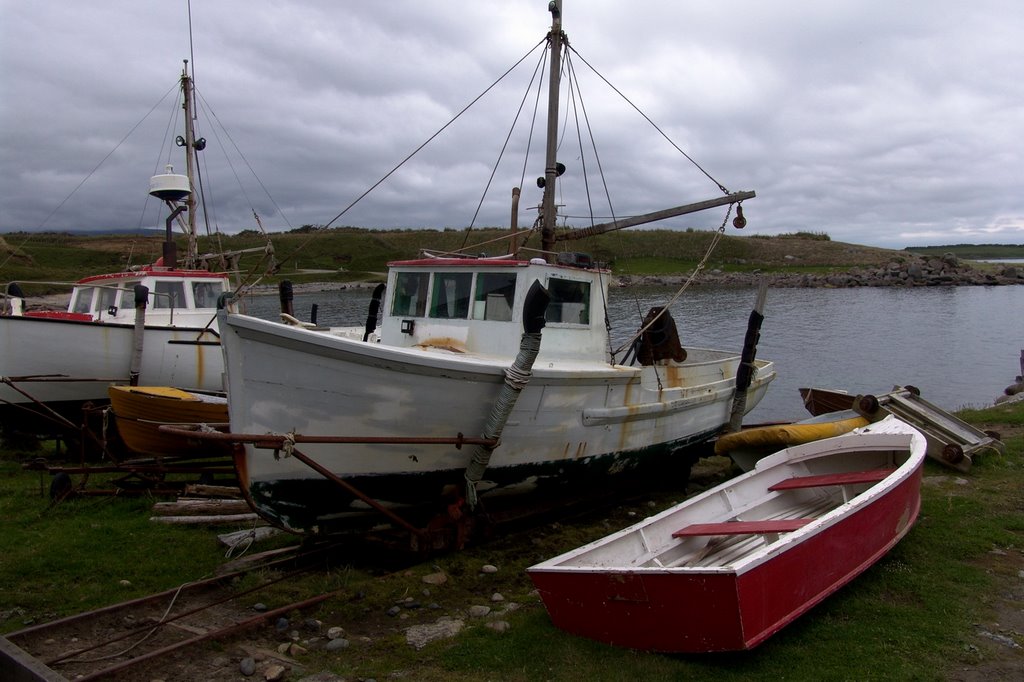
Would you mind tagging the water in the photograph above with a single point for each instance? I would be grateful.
(960, 345)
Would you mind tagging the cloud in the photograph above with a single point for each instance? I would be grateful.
(887, 126)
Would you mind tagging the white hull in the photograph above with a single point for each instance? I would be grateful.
(514, 348)
(65, 358)
(571, 413)
(75, 361)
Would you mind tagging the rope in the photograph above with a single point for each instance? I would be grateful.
(249, 539)
(148, 634)
(287, 446)
(689, 280)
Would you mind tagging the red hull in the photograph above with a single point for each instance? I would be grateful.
(693, 612)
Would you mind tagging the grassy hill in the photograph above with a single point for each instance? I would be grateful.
(972, 251)
(348, 254)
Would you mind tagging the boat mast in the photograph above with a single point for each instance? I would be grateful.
(190, 161)
(552, 169)
(555, 40)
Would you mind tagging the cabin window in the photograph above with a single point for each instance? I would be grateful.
(168, 294)
(570, 301)
(205, 294)
(83, 300)
(451, 295)
(410, 294)
(495, 294)
(108, 298)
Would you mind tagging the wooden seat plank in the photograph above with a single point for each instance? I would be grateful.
(844, 478)
(742, 527)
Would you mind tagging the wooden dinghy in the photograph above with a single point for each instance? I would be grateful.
(728, 568)
(140, 411)
(951, 441)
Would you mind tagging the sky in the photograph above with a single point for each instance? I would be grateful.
(885, 124)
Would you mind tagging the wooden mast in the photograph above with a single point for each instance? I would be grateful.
(190, 159)
(547, 212)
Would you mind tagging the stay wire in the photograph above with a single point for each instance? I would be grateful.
(504, 146)
(432, 137)
(717, 237)
(653, 124)
(88, 176)
(208, 109)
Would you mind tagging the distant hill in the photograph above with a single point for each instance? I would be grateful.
(972, 251)
(348, 253)
(124, 232)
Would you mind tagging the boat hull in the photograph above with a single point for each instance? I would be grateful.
(140, 411)
(729, 605)
(68, 361)
(570, 419)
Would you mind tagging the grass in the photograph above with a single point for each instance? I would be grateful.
(972, 251)
(909, 617)
(344, 254)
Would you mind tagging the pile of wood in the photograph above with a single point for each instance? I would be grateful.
(205, 505)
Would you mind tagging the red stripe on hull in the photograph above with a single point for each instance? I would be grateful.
(693, 611)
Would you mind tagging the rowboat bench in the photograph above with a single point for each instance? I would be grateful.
(774, 526)
(844, 478)
(742, 527)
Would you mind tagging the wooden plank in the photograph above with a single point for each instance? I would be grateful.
(205, 520)
(742, 527)
(196, 507)
(845, 478)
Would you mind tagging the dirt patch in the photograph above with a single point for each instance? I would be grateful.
(997, 644)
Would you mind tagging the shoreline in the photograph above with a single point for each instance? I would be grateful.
(916, 272)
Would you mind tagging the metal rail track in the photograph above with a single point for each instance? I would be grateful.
(115, 641)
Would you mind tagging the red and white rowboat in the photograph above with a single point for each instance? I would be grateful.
(728, 568)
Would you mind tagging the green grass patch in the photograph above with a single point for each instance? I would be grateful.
(911, 616)
(348, 253)
(71, 557)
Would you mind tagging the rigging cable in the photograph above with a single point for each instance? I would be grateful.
(655, 125)
(432, 137)
(89, 175)
(504, 147)
(717, 237)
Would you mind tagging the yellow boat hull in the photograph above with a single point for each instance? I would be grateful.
(140, 410)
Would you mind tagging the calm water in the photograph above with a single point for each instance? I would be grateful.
(960, 345)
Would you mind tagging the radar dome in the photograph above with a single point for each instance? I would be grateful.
(170, 186)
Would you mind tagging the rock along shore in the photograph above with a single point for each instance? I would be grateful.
(912, 271)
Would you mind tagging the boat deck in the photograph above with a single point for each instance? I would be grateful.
(792, 503)
(725, 549)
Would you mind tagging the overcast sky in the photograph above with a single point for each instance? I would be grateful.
(890, 124)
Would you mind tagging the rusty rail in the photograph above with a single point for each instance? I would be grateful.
(280, 442)
(277, 442)
(213, 634)
(217, 633)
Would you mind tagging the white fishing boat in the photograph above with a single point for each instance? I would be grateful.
(155, 324)
(513, 350)
(728, 568)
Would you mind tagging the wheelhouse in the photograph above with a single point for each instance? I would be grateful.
(475, 305)
(113, 296)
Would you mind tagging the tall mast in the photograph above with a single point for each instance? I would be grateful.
(190, 161)
(555, 39)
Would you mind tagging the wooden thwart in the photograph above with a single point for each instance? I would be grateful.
(845, 478)
(742, 527)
